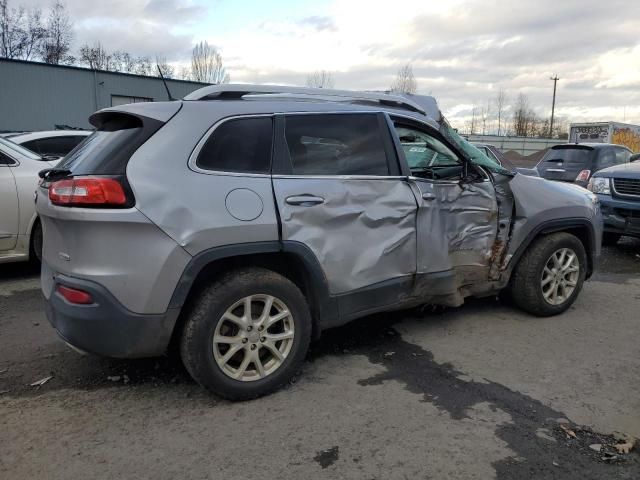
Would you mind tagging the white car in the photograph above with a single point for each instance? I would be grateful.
(52, 143)
(20, 230)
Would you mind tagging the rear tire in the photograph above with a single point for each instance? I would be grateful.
(236, 348)
(550, 275)
(609, 239)
(35, 247)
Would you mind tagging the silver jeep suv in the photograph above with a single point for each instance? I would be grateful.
(244, 220)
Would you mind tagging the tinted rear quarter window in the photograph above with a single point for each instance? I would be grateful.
(6, 160)
(336, 144)
(240, 145)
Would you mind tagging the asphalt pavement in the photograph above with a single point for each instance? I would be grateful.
(478, 392)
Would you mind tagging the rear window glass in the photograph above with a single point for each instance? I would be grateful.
(569, 156)
(336, 144)
(95, 155)
(107, 150)
(239, 145)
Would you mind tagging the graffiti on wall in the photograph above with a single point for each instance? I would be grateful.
(629, 137)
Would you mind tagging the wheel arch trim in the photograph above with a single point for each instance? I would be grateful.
(323, 306)
(560, 225)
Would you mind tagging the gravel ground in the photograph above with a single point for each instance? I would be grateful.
(482, 391)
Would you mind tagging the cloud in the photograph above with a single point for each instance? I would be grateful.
(462, 51)
(319, 23)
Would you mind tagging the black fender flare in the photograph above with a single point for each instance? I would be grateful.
(323, 305)
(559, 225)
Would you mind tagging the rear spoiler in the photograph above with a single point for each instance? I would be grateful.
(160, 111)
(573, 146)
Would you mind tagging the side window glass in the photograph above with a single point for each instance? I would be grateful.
(57, 146)
(622, 156)
(426, 155)
(33, 145)
(607, 158)
(60, 146)
(336, 144)
(239, 145)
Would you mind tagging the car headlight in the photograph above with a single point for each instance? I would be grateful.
(600, 185)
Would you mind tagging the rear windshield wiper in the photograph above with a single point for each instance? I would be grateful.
(49, 173)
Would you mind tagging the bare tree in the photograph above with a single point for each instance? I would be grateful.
(320, 79)
(185, 73)
(96, 57)
(405, 81)
(167, 70)
(58, 37)
(11, 20)
(500, 102)
(485, 115)
(474, 115)
(206, 64)
(143, 66)
(21, 32)
(561, 128)
(122, 61)
(525, 121)
(34, 34)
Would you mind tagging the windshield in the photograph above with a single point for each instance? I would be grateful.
(10, 146)
(476, 156)
(423, 151)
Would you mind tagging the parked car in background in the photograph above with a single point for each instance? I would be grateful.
(53, 143)
(20, 229)
(495, 154)
(245, 219)
(577, 162)
(618, 189)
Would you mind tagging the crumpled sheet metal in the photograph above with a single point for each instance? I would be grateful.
(458, 228)
(362, 234)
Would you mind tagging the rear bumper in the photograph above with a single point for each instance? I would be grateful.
(105, 327)
(620, 216)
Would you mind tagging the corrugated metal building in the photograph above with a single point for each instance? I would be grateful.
(38, 96)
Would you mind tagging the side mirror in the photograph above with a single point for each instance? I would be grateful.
(635, 157)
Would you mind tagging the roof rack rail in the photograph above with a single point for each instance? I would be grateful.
(237, 91)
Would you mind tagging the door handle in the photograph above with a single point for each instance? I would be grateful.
(428, 196)
(304, 200)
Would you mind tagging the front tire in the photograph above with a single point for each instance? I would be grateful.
(246, 334)
(550, 275)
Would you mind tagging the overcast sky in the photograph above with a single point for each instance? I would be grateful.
(462, 51)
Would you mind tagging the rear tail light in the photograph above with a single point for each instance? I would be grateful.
(74, 295)
(88, 192)
(583, 176)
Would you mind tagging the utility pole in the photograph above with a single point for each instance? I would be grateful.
(553, 104)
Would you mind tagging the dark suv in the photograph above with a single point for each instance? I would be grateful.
(577, 162)
(618, 189)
